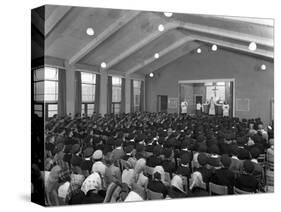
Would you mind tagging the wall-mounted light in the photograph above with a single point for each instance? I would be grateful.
(161, 27)
(90, 31)
(214, 47)
(199, 51)
(156, 55)
(151, 75)
(252, 46)
(168, 14)
(103, 65)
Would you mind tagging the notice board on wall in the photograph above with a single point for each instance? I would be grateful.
(173, 103)
(243, 104)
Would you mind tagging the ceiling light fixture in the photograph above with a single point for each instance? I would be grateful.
(214, 47)
(161, 27)
(156, 55)
(168, 14)
(151, 75)
(103, 65)
(263, 67)
(199, 51)
(252, 46)
(90, 31)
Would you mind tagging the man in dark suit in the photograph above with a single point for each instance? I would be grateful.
(224, 176)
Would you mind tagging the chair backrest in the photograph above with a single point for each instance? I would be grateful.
(217, 189)
(261, 159)
(167, 178)
(239, 191)
(151, 195)
(269, 178)
(270, 165)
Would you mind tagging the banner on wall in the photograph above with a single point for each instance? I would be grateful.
(173, 103)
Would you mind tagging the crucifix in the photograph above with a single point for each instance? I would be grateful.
(215, 91)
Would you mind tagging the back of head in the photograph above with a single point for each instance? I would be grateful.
(225, 160)
(248, 166)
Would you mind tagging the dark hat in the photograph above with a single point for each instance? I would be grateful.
(139, 147)
(67, 148)
(157, 150)
(200, 138)
(128, 148)
(214, 161)
(118, 142)
(248, 166)
(225, 160)
(88, 152)
(255, 152)
(186, 158)
(167, 152)
(243, 154)
(234, 149)
(214, 149)
(75, 148)
(202, 159)
(202, 147)
(75, 160)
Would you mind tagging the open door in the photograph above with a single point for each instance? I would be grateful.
(162, 103)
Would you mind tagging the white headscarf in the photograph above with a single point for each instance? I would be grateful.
(161, 171)
(99, 167)
(177, 182)
(139, 167)
(63, 190)
(133, 197)
(92, 182)
(196, 180)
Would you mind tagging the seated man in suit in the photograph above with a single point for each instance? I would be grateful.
(155, 159)
(236, 164)
(168, 165)
(224, 176)
(247, 181)
(205, 172)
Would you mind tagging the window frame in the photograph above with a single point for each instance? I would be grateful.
(87, 103)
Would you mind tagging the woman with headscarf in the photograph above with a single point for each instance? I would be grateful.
(176, 190)
(92, 188)
(139, 178)
(156, 184)
(52, 184)
(196, 185)
(128, 172)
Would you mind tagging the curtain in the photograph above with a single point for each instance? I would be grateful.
(123, 95)
(109, 94)
(62, 93)
(132, 96)
(78, 92)
(97, 94)
(142, 96)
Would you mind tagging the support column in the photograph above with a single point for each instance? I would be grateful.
(103, 91)
(70, 89)
(128, 94)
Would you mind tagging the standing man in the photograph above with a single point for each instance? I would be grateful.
(212, 109)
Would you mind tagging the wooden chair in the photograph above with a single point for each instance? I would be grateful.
(167, 178)
(261, 159)
(239, 191)
(151, 195)
(269, 181)
(270, 165)
(217, 189)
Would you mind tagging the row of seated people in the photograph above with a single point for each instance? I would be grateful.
(229, 171)
(85, 164)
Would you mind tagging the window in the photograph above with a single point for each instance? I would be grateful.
(88, 83)
(45, 87)
(137, 91)
(116, 94)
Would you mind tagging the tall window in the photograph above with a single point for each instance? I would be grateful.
(116, 94)
(137, 91)
(88, 81)
(46, 91)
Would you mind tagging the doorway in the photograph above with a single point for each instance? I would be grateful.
(221, 91)
(162, 103)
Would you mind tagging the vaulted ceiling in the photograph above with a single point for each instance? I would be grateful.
(127, 40)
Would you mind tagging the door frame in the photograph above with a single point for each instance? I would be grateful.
(210, 80)
(158, 103)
